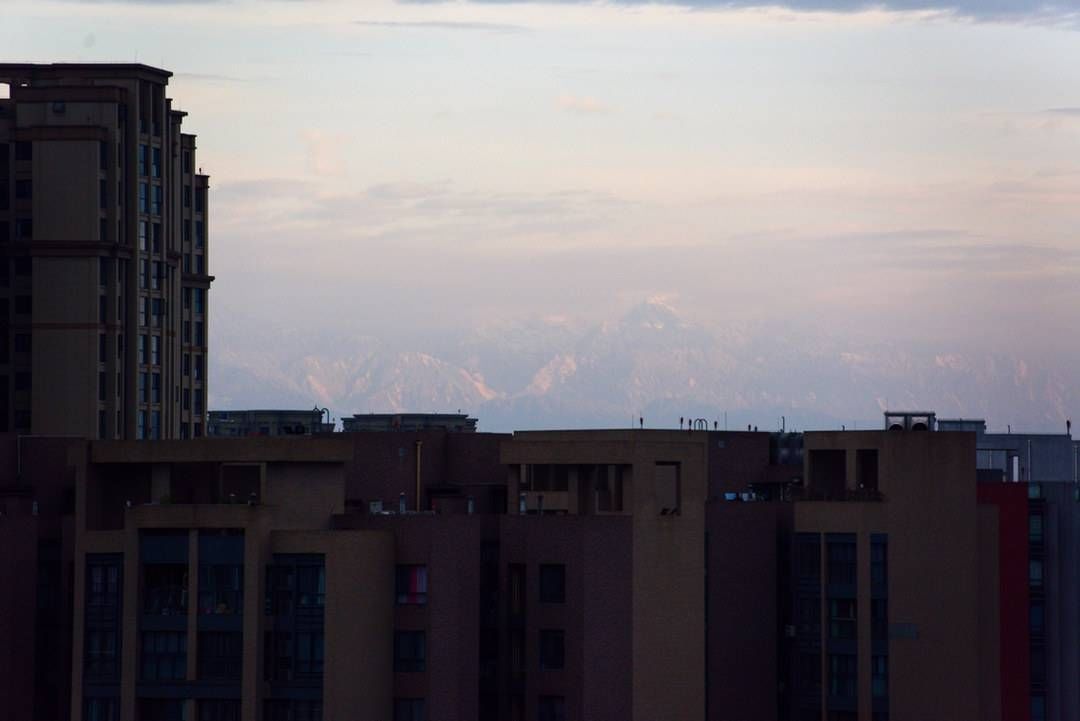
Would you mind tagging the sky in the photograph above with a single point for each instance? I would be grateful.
(906, 170)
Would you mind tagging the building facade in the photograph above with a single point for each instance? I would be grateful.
(104, 277)
(246, 423)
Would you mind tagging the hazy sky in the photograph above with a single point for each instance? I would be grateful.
(910, 169)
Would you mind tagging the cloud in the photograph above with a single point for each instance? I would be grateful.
(442, 25)
(582, 105)
(977, 9)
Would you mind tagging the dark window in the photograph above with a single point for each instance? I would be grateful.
(144, 198)
(295, 586)
(155, 200)
(101, 709)
(879, 676)
(842, 560)
(808, 557)
(200, 234)
(101, 386)
(220, 655)
(552, 649)
(187, 161)
(292, 710)
(155, 162)
(24, 190)
(879, 619)
(22, 342)
(103, 155)
(866, 469)
(103, 309)
(165, 589)
(411, 585)
(24, 229)
(24, 150)
(879, 560)
(842, 618)
(144, 155)
(809, 672)
(842, 675)
(1038, 708)
(103, 603)
(219, 710)
(1038, 664)
(200, 200)
(409, 709)
(24, 265)
(310, 654)
(1037, 618)
(155, 237)
(1035, 574)
(103, 194)
(187, 196)
(142, 234)
(221, 589)
(163, 655)
(552, 583)
(155, 350)
(410, 651)
(160, 709)
(551, 708)
(5, 231)
(22, 381)
(103, 270)
(1035, 529)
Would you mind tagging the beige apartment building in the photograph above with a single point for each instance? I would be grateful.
(104, 277)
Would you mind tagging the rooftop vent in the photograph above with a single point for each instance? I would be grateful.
(910, 421)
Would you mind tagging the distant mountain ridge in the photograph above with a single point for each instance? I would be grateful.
(651, 362)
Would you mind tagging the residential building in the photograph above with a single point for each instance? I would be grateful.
(458, 422)
(104, 277)
(246, 423)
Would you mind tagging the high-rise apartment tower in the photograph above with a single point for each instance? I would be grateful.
(103, 256)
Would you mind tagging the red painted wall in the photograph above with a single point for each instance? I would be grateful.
(1012, 504)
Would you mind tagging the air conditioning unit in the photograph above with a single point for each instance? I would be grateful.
(375, 507)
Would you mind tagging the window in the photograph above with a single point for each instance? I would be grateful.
(144, 198)
(200, 200)
(410, 651)
(24, 229)
(24, 190)
(310, 649)
(551, 708)
(102, 709)
(200, 234)
(842, 618)
(1037, 618)
(220, 655)
(411, 585)
(1035, 529)
(294, 584)
(552, 649)
(809, 672)
(155, 163)
(103, 194)
(155, 275)
(103, 271)
(22, 342)
(1038, 708)
(5, 230)
(140, 426)
(552, 583)
(841, 559)
(164, 655)
(155, 200)
(155, 350)
(155, 425)
(22, 381)
(1035, 574)
(165, 589)
(879, 676)
(187, 196)
(409, 709)
(101, 389)
(103, 309)
(200, 267)
(842, 671)
(144, 154)
(142, 235)
(144, 349)
(187, 399)
(808, 557)
(103, 155)
(187, 161)
(221, 589)
(198, 295)
(879, 619)
(879, 559)
(187, 298)
(160, 709)
(219, 710)
(24, 150)
(155, 237)
(200, 333)
(292, 710)
(1037, 654)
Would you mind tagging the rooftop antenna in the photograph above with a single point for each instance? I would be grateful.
(641, 421)
(680, 422)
